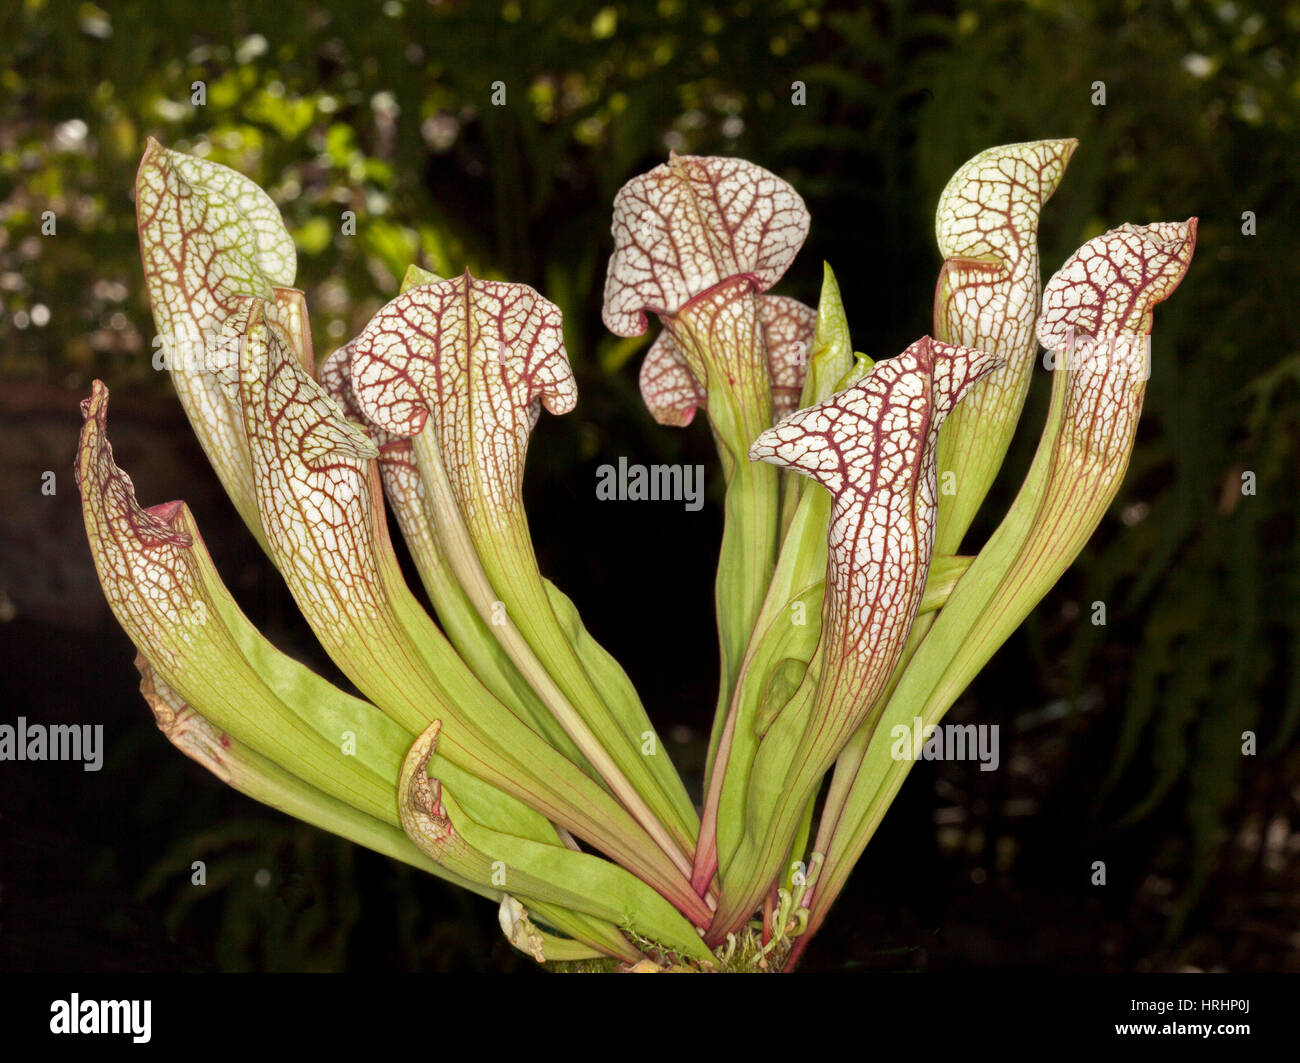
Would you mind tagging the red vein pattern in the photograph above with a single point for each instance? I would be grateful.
(208, 235)
(142, 559)
(160, 581)
(788, 330)
(690, 224)
(479, 358)
(312, 483)
(1097, 310)
(336, 380)
(287, 311)
(667, 386)
(209, 238)
(397, 465)
(330, 540)
(1105, 290)
(419, 804)
(987, 228)
(873, 447)
(672, 394)
(987, 297)
(398, 468)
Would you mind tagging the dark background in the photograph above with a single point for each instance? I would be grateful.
(1119, 743)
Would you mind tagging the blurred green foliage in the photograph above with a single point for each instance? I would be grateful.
(385, 110)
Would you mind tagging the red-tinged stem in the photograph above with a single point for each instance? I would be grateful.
(706, 848)
(769, 912)
(796, 951)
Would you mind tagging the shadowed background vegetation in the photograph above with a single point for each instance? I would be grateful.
(1120, 743)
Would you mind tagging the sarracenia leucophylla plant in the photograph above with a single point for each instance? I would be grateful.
(501, 747)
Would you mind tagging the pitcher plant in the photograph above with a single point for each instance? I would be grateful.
(495, 743)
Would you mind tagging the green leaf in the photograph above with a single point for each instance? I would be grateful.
(260, 778)
(437, 822)
(618, 693)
